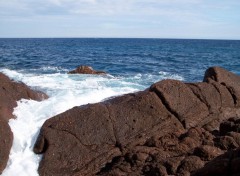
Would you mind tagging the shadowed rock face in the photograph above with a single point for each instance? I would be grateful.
(10, 92)
(172, 128)
(83, 69)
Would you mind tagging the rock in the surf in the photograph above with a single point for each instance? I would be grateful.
(83, 69)
(10, 92)
(172, 128)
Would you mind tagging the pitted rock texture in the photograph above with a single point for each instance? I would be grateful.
(84, 69)
(172, 128)
(228, 163)
(10, 92)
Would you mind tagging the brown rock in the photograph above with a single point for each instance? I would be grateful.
(6, 139)
(223, 165)
(172, 164)
(226, 143)
(207, 153)
(100, 131)
(10, 92)
(189, 164)
(158, 131)
(216, 97)
(226, 78)
(83, 69)
(235, 136)
(181, 101)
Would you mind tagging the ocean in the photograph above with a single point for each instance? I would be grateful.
(132, 65)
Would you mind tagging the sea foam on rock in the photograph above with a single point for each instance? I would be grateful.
(172, 128)
(10, 93)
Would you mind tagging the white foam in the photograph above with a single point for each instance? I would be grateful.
(65, 91)
(166, 75)
(52, 68)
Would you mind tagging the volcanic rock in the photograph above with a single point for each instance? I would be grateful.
(226, 78)
(6, 139)
(223, 165)
(172, 128)
(10, 92)
(83, 69)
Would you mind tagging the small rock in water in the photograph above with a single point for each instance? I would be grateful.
(83, 69)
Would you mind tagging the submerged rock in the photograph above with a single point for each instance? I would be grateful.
(169, 129)
(10, 93)
(83, 69)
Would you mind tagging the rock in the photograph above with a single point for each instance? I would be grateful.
(10, 92)
(226, 143)
(181, 101)
(207, 153)
(172, 128)
(101, 131)
(83, 69)
(228, 126)
(229, 80)
(223, 165)
(172, 164)
(235, 136)
(189, 164)
(6, 139)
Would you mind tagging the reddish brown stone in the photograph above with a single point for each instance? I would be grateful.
(172, 128)
(207, 152)
(189, 164)
(11, 91)
(6, 139)
(83, 69)
(181, 101)
(226, 78)
(223, 165)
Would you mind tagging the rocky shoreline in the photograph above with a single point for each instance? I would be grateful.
(171, 128)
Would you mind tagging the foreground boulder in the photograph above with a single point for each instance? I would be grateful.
(172, 128)
(83, 69)
(10, 93)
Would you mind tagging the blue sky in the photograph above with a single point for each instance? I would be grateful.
(212, 19)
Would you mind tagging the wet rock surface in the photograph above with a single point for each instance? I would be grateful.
(172, 128)
(10, 92)
(84, 69)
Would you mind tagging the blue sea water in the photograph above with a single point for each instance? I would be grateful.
(132, 65)
(121, 57)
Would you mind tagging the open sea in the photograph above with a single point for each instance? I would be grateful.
(131, 64)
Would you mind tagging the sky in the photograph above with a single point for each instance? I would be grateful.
(199, 19)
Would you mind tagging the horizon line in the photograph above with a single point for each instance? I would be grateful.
(119, 38)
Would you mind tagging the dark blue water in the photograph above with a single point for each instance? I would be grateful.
(121, 57)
